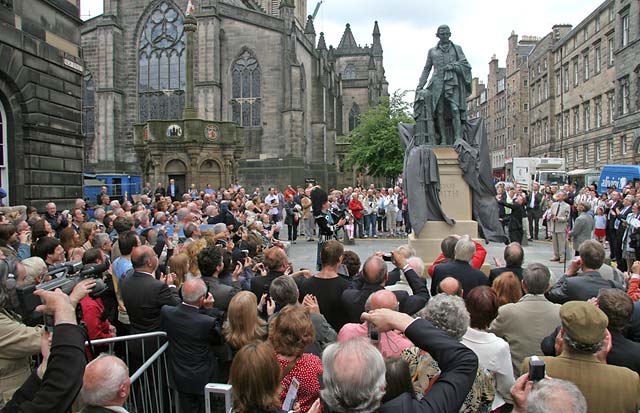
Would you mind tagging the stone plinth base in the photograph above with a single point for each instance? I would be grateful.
(455, 196)
(427, 243)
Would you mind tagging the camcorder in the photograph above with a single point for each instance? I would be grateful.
(65, 276)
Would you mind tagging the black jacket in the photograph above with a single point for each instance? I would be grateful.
(462, 271)
(496, 272)
(579, 287)
(62, 380)
(260, 285)
(458, 367)
(624, 352)
(222, 293)
(192, 364)
(354, 299)
(144, 296)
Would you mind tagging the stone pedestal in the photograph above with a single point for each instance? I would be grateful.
(455, 196)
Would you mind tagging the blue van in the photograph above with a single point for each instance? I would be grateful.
(618, 176)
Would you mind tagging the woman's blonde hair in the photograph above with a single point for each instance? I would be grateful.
(243, 324)
(179, 265)
(193, 249)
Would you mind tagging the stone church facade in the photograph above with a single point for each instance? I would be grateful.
(232, 90)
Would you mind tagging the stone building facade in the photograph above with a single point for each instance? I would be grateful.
(269, 98)
(542, 98)
(584, 104)
(40, 102)
(496, 119)
(517, 95)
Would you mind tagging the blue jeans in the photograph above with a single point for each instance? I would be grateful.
(370, 225)
(357, 227)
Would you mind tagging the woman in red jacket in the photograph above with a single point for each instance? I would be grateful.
(356, 207)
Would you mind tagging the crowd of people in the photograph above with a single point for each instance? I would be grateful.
(358, 334)
(570, 216)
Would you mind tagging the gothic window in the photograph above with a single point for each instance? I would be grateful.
(246, 81)
(88, 105)
(349, 72)
(162, 65)
(354, 117)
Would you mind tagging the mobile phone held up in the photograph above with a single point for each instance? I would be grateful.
(387, 256)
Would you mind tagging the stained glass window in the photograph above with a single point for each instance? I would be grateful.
(246, 95)
(354, 117)
(161, 65)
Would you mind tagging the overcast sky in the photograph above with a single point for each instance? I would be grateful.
(408, 27)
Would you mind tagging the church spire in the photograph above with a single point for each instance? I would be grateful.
(376, 46)
(309, 28)
(322, 45)
(348, 41)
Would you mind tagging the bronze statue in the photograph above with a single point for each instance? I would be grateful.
(443, 104)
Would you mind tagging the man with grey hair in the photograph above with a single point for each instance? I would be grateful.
(547, 396)
(284, 291)
(105, 385)
(417, 264)
(374, 277)
(524, 324)
(102, 241)
(394, 275)
(98, 218)
(360, 387)
(191, 333)
(583, 335)
(460, 268)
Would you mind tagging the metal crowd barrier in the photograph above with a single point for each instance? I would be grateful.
(218, 390)
(150, 381)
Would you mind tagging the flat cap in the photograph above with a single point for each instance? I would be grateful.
(584, 322)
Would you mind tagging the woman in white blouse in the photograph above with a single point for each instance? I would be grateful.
(492, 351)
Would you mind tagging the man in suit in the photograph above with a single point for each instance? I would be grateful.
(159, 191)
(191, 333)
(607, 388)
(210, 265)
(534, 211)
(560, 214)
(105, 386)
(513, 259)
(582, 227)
(612, 216)
(516, 231)
(460, 268)
(374, 277)
(619, 228)
(583, 285)
(173, 191)
(514, 322)
(143, 295)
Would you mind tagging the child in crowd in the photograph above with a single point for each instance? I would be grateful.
(601, 225)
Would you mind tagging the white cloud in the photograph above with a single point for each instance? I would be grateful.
(408, 27)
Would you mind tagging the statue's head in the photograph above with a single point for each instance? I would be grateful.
(443, 33)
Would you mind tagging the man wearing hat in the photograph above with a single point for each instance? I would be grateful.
(584, 330)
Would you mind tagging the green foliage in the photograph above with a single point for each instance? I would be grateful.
(375, 142)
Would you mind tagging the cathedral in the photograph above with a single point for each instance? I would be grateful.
(222, 91)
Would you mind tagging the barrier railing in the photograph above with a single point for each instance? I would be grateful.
(150, 381)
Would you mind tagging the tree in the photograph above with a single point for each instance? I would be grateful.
(375, 142)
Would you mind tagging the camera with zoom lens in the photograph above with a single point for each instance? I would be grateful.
(65, 276)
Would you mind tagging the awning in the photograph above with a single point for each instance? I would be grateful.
(583, 172)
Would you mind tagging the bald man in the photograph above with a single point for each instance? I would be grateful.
(450, 286)
(390, 343)
(143, 295)
(192, 327)
(105, 385)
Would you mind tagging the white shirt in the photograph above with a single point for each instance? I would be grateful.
(494, 355)
(267, 200)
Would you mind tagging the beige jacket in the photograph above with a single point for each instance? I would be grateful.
(17, 344)
(524, 324)
(562, 210)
